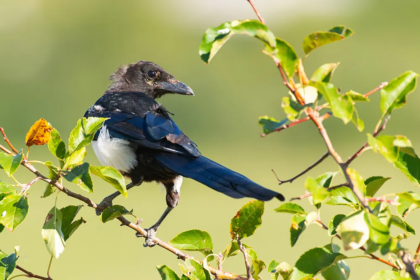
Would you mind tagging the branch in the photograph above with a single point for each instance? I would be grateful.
(31, 275)
(305, 171)
(248, 268)
(381, 86)
(124, 221)
(256, 11)
(361, 248)
(362, 149)
(409, 265)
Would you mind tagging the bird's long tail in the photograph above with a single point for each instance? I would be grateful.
(216, 176)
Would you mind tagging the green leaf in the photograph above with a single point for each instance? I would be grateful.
(343, 196)
(378, 232)
(319, 193)
(318, 39)
(53, 174)
(354, 230)
(56, 146)
(324, 73)
(194, 240)
(285, 54)
(232, 250)
(405, 207)
(68, 227)
(356, 97)
(185, 277)
(291, 107)
(373, 184)
(196, 270)
(83, 133)
(13, 210)
(334, 223)
(315, 261)
(339, 271)
(6, 189)
(10, 163)
(394, 95)
(297, 227)
(291, 208)
(341, 106)
(387, 275)
(247, 220)
(75, 158)
(271, 124)
(216, 37)
(398, 150)
(7, 264)
(52, 233)
(167, 273)
(284, 269)
(257, 267)
(80, 176)
(397, 221)
(357, 180)
(113, 212)
(110, 175)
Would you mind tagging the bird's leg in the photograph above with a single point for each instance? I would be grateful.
(151, 232)
(107, 201)
(173, 190)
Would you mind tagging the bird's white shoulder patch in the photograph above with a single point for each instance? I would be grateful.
(114, 152)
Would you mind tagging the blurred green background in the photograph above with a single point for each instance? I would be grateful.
(56, 57)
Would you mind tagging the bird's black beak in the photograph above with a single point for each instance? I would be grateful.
(177, 87)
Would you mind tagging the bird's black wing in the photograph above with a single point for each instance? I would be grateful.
(156, 130)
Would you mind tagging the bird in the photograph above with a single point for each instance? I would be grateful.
(141, 140)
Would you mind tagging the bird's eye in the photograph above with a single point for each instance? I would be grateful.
(152, 74)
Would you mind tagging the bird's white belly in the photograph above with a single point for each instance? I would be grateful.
(114, 152)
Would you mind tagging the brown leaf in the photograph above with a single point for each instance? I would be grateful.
(39, 134)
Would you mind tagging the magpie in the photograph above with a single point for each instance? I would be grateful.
(141, 140)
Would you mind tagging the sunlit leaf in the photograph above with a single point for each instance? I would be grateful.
(324, 73)
(194, 240)
(373, 184)
(84, 132)
(68, 225)
(406, 207)
(341, 106)
(196, 271)
(284, 53)
(39, 133)
(56, 146)
(342, 196)
(394, 95)
(284, 269)
(7, 264)
(52, 233)
(291, 107)
(357, 180)
(75, 158)
(271, 124)
(314, 261)
(167, 273)
(318, 39)
(110, 175)
(10, 163)
(319, 193)
(378, 232)
(291, 208)
(113, 212)
(298, 226)
(247, 220)
(354, 230)
(334, 223)
(80, 176)
(216, 37)
(356, 97)
(387, 275)
(13, 210)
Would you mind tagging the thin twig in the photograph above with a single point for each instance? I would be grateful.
(338, 186)
(125, 222)
(7, 141)
(417, 253)
(307, 194)
(305, 171)
(256, 11)
(361, 248)
(383, 199)
(248, 268)
(31, 275)
(381, 86)
(362, 149)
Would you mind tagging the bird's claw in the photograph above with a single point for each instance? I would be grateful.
(151, 232)
(105, 203)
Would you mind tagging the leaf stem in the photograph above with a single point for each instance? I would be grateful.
(49, 267)
(242, 249)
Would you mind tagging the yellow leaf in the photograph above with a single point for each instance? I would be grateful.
(39, 134)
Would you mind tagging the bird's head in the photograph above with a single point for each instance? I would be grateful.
(146, 77)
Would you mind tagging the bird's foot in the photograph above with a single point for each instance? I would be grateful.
(151, 232)
(105, 203)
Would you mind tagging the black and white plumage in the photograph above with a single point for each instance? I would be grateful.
(142, 141)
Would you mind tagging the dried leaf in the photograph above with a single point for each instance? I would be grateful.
(39, 134)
